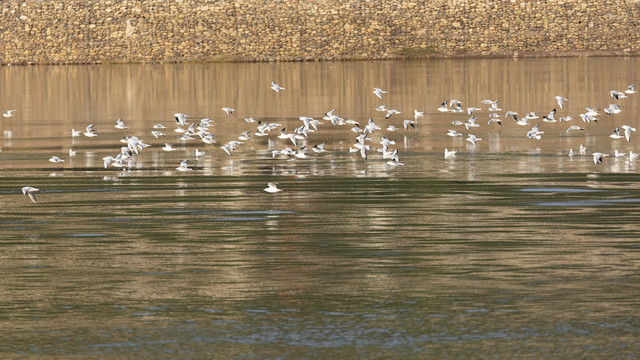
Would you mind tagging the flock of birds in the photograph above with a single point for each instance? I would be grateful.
(201, 129)
(591, 115)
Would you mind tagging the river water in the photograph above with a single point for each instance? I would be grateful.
(510, 249)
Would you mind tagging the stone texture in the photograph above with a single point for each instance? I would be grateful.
(152, 31)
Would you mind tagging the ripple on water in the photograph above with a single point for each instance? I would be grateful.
(211, 311)
(84, 190)
(143, 314)
(208, 212)
(589, 202)
(238, 219)
(86, 235)
(121, 219)
(558, 190)
(267, 213)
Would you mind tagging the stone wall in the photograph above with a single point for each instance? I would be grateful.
(91, 31)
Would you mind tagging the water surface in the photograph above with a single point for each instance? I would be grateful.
(511, 249)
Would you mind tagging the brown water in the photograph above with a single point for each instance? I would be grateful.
(512, 249)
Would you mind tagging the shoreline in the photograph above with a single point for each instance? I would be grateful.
(514, 55)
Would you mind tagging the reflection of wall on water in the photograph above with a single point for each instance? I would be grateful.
(51, 100)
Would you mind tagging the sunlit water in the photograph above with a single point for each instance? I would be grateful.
(511, 249)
